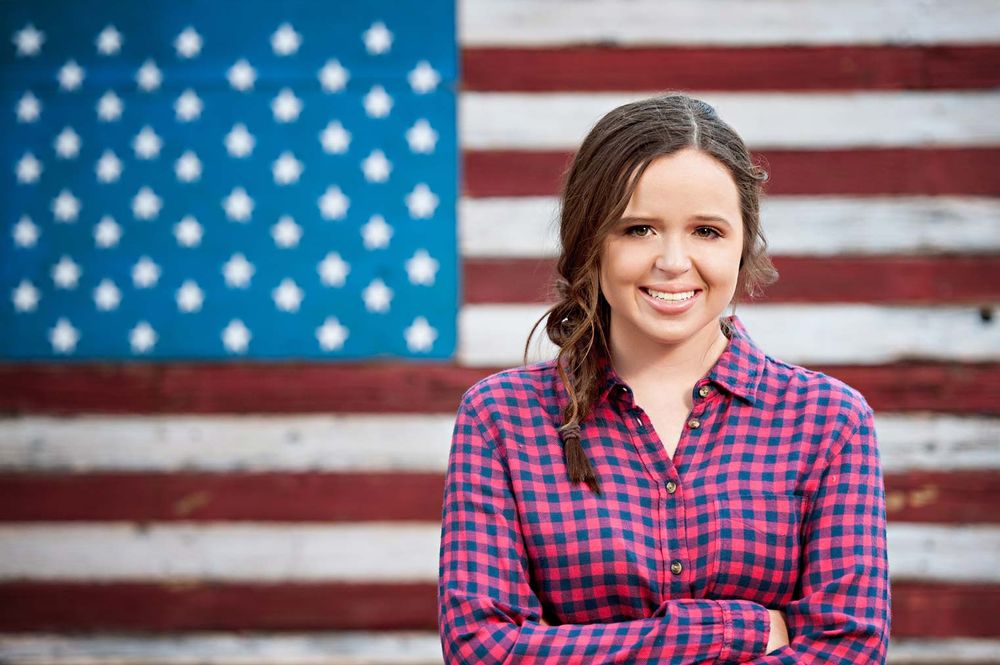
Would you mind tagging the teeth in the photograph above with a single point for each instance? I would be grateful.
(684, 295)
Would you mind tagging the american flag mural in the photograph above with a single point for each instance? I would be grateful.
(190, 185)
(351, 218)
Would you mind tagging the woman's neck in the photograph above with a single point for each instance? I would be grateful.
(645, 364)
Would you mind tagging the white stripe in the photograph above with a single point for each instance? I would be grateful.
(793, 225)
(250, 552)
(325, 444)
(494, 335)
(370, 551)
(313, 648)
(559, 121)
(725, 22)
(348, 648)
(383, 442)
(953, 554)
(964, 651)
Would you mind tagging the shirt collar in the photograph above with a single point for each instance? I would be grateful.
(738, 369)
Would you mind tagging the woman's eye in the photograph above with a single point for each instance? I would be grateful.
(639, 231)
(712, 233)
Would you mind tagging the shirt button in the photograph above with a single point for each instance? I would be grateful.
(676, 567)
(671, 486)
(694, 423)
(703, 391)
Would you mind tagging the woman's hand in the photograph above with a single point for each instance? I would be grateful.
(779, 631)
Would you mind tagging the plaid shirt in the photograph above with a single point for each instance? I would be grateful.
(774, 499)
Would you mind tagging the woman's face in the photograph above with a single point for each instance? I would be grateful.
(681, 232)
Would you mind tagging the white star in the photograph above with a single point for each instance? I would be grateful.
(333, 204)
(188, 106)
(63, 336)
(25, 232)
(149, 76)
(239, 142)
(188, 167)
(26, 297)
(238, 205)
(420, 335)
(286, 232)
(29, 169)
(331, 335)
(287, 296)
(286, 106)
(377, 102)
(333, 270)
(377, 38)
(147, 144)
(142, 338)
(70, 76)
(29, 107)
(28, 41)
(188, 232)
(335, 138)
(421, 202)
(421, 268)
(107, 233)
(421, 137)
(188, 43)
(67, 144)
(236, 337)
(377, 296)
(376, 233)
(109, 42)
(66, 273)
(333, 77)
(145, 273)
(242, 76)
(285, 41)
(376, 167)
(189, 297)
(107, 296)
(65, 207)
(146, 204)
(237, 271)
(286, 169)
(109, 107)
(109, 167)
(423, 78)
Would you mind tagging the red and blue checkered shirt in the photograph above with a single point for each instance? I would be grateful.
(774, 499)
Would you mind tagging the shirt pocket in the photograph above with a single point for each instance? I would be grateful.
(754, 547)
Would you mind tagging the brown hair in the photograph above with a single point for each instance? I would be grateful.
(595, 193)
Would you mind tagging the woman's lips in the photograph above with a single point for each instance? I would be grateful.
(670, 306)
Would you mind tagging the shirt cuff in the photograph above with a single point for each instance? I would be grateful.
(746, 627)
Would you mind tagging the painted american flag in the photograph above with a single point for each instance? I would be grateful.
(228, 509)
(269, 181)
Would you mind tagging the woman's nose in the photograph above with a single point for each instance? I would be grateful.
(673, 256)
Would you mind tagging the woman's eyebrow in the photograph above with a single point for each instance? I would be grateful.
(700, 217)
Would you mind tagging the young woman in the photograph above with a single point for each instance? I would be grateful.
(663, 491)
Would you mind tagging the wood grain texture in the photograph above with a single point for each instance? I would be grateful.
(923, 610)
(819, 68)
(956, 497)
(946, 387)
(899, 279)
(855, 171)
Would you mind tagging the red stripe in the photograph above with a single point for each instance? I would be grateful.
(820, 68)
(914, 496)
(919, 609)
(927, 280)
(860, 171)
(197, 497)
(945, 387)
